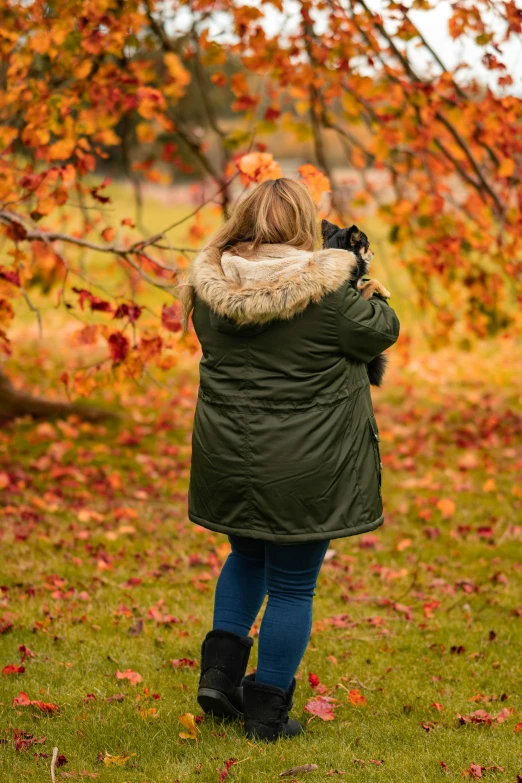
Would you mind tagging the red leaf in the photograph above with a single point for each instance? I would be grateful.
(45, 706)
(132, 312)
(95, 302)
(12, 668)
(26, 652)
(171, 317)
(223, 775)
(23, 700)
(11, 276)
(118, 347)
(23, 739)
(321, 707)
(313, 679)
(184, 663)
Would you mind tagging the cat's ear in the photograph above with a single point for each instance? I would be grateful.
(328, 230)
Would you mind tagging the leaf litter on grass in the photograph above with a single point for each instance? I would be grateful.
(413, 622)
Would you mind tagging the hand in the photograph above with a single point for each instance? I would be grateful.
(368, 288)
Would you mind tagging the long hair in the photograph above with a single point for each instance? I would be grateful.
(278, 211)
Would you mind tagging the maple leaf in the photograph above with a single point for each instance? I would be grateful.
(133, 677)
(95, 302)
(187, 720)
(118, 347)
(313, 679)
(357, 698)
(316, 182)
(322, 707)
(23, 700)
(23, 740)
(171, 317)
(130, 311)
(258, 167)
(223, 774)
(12, 668)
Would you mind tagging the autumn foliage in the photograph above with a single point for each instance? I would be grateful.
(435, 153)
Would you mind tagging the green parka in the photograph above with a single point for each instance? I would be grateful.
(285, 445)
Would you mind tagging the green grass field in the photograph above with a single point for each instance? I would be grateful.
(101, 572)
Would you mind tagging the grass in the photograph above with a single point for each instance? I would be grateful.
(102, 572)
(94, 536)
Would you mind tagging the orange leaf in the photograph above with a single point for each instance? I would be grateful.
(316, 182)
(446, 507)
(188, 721)
(258, 167)
(357, 698)
(507, 167)
(133, 677)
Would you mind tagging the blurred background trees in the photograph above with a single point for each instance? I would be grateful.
(203, 99)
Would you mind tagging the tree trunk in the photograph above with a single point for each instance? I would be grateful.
(14, 403)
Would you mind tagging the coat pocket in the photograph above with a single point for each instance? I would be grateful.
(374, 430)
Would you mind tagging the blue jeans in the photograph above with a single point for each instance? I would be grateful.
(288, 573)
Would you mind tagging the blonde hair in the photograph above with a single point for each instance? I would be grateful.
(278, 211)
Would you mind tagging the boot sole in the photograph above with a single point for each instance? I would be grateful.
(216, 703)
(259, 731)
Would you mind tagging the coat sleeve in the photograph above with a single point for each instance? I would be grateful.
(365, 327)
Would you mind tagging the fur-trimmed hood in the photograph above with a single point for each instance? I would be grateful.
(272, 282)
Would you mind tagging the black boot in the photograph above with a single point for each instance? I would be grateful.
(224, 658)
(266, 709)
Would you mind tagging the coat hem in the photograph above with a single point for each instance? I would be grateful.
(287, 538)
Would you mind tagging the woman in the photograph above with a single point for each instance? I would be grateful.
(285, 444)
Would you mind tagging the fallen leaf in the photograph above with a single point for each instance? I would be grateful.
(150, 712)
(475, 770)
(118, 760)
(446, 507)
(184, 663)
(23, 739)
(223, 774)
(23, 700)
(116, 697)
(357, 698)
(289, 773)
(133, 677)
(187, 720)
(12, 668)
(321, 707)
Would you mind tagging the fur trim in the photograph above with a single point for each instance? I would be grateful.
(268, 300)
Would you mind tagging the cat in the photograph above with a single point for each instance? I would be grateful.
(357, 242)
